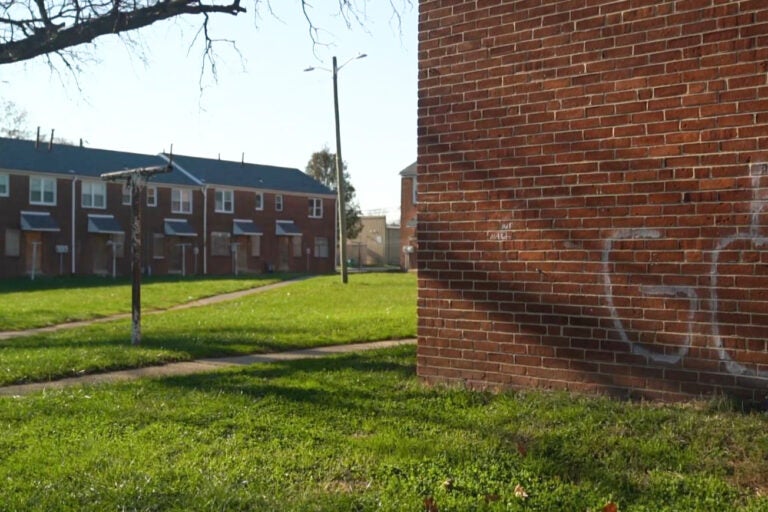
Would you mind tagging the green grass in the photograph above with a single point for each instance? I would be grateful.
(360, 432)
(26, 304)
(313, 312)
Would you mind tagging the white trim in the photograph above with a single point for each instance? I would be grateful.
(42, 202)
(223, 209)
(83, 195)
(181, 211)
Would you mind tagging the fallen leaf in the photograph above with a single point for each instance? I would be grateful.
(448, 484)
(521, 449)
(520, 492)
(430, 505)
(490, 498)
(611, 507)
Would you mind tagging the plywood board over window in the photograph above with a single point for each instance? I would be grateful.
(220, 243)
(12, 242)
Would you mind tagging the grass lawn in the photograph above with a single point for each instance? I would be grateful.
(359, 432)
(313, 312)
(26, 304)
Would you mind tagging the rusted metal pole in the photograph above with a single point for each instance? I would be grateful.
(135, 183)
(136, 179)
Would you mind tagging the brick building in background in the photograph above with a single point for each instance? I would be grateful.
(408, 220)
(57, 217)
(593, 183)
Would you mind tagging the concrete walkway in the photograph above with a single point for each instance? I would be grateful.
(199, 366)
(186, 367)
(5, 335)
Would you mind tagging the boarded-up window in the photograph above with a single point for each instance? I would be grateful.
(296, 246)
(220, 243)
(12, 239)
(158, 246)
(321, 247)
(256, 245)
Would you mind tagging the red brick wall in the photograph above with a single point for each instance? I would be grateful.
(593, 181)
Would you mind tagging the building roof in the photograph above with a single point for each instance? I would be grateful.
(242, 174)
(409, 171)
(22, 155)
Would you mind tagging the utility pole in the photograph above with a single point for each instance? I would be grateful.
(340, 180)
(136, 180)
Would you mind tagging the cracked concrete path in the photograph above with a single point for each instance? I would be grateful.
(198, 366)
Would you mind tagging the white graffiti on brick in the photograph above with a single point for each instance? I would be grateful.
(759, 174)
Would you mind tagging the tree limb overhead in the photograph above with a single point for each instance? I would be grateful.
(30, 28)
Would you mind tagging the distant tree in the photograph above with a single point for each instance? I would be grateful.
(14, 121)
(322, 167)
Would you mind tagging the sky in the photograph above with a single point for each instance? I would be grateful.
(144, 93)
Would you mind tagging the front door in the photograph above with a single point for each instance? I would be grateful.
(102, 255)
(284, 247)
(33, 252)
(242, 255)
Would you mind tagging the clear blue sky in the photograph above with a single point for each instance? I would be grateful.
(264, 105)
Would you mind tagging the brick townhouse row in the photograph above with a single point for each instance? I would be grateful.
(207, 216)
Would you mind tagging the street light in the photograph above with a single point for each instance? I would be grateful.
(339, 166)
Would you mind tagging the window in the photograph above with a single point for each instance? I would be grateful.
(181, 201)
(158, 246)
(12, 239)
(259, 200)
(42, 190)
(4, 189)
(321, 247)
(296, 246)
(414, 191)
(315, 207)
(94, 194)
(256, 245)
(127, 193)
(279, 203)
(220, 243)
(151, 196)
(225, 201)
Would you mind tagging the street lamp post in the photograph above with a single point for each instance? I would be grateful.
(341, 207)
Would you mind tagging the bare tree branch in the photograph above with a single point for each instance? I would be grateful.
(75, 23)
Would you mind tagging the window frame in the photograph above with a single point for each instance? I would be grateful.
(42, 191)
(177, 205)
(127, 192)
(258, 201)
(279, 202)
(5, 185)
(152, 195)
(93, 187)
(315, 205)
(322, 247)
(220, 205)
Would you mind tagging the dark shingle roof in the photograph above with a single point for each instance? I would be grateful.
(22, 155)
(236, 174)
